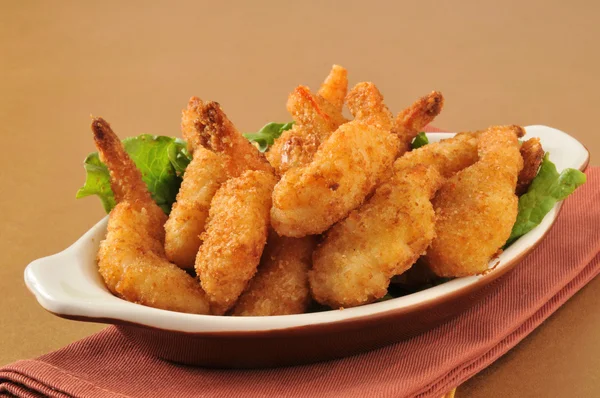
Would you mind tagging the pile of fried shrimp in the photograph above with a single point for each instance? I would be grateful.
(329, 215)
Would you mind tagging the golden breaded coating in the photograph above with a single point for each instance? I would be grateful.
(131, 258)
(206, 125)
(347, 167)
(203, 176)
(366, 103)
(533, 154)
(335, 86)
(280, 286)
(220, 152)
(476, 209)
(413, 119)
(344, 171)
(454, 154)
(448, 156)
(236, 233)
(315, 120)
(383, 238)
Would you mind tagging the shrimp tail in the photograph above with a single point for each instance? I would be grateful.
(413, 119)
(125, 178)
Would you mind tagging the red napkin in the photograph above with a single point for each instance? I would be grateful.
(428, 365)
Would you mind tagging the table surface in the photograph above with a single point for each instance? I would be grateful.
(136, 64)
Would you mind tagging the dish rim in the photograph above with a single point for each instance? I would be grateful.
(113, 310)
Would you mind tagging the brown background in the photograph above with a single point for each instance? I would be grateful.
(136, 64)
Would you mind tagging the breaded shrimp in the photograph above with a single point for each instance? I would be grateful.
(345, 170)
(131, 258)
(219, 152)
(280, 286)
(413, 119)
(315, 120)
(236, 233)
(476, 209)
(383, 238)
(203, 176)
(454, 154)
(533, 154)
(206, 125)
(448, 156)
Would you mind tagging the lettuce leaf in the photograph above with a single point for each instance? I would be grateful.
(420, 140)
(265, 137)
(162, 161)
(97, 182)
(547, 188)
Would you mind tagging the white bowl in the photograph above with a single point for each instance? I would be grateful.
(68, 284)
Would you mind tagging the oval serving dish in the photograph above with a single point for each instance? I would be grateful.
(68, 285)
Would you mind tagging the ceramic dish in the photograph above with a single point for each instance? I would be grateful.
(68, 284)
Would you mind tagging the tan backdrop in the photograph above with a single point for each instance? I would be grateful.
(136, 64)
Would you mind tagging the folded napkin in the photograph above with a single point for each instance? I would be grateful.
(428, 365)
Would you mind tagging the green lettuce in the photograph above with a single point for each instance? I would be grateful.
(420, 140)
(547, 188)
(162, 161)
(97, 182)
(265, 137)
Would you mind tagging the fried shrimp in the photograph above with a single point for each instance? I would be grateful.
(533, 154)
(413, 119)
(280, 286)
(131, 258)
(383, 238)
(447, 156)
(476, 209)
(345, 170)
(219, 152)
(203, 176)
(235, 236)
(454, 154)
(315, 117)
(206, 125)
